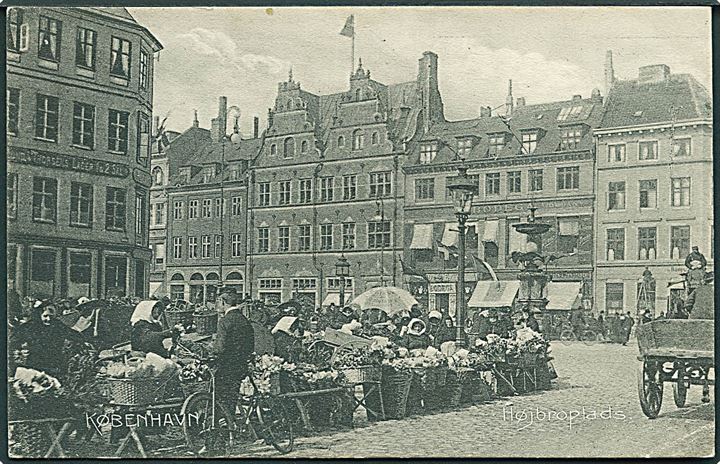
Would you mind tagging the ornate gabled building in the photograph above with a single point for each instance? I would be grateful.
(538, 156)
(328, 181)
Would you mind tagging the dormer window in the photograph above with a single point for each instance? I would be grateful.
(341, 142)
(496, 143)
(358, 139)
(207, 176)
(428, 152)
(304, 146)
(464, 146)
(273, 150)
(374, 138)
(529, 142)
(570, 138)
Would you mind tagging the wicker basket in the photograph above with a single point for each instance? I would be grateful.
(453, 389)
(395, 390)
(136, 392)
(206, 323)
(362, 374)
(184, 317)
(188, 388)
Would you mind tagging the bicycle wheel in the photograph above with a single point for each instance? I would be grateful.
(567, 335)
(274, 425)
(589, 337)
(200, 435)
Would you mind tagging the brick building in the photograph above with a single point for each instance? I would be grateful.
(79, 106)
(328, 181)
(654, 186)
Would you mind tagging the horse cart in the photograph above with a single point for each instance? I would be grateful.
(677, 351)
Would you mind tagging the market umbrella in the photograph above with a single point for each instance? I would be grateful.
(392, 300)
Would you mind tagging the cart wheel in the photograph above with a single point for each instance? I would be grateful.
(589, 337)
(681, 386)
(650, 388)
(567, 335)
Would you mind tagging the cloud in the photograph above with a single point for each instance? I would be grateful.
(219, 45)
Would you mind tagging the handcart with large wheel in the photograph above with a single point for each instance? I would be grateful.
(322, 351)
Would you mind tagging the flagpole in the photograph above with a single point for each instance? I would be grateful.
(352, 54)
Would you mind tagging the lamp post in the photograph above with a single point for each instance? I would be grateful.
(342, 271)
(463, 189)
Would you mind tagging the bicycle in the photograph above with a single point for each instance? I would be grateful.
(586, 335)
(207, 423)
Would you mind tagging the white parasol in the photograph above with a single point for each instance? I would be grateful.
(392, 300)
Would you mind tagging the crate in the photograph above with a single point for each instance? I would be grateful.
(206, 323)
(362, 374)
(136, 392)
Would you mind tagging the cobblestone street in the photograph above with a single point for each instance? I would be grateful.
(600, 377)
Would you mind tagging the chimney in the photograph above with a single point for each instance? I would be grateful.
(256, 127)
(218, 126)
(485, 112)
(576, 98)
(653, 73)
(609, 72)
(432, 104)
(196, 123)
(156, 124)
(509, 99)
(270, 117)
(520, 102)
(595, 95)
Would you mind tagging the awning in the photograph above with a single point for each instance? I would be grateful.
(422, 237)
(491, 231)
(450, 234)
(568, 226)
(332, 298)
(490, 294)
(676, 285)
(563, 296)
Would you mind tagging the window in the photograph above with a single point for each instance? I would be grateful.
(144, 69)
(358, 139)
(115, 275)
(681, 147)
(207, 208)
(614, 297)
(159, 253)
(570, 138)
(341, 142)
(568, 178)
(177, 247)
(205, 246)
(159, 214)
(492, 183)
(496, 143)
(263, 239)
(283, 238)
(219, 207)
(304, 237)
(348, 236)
(648, 150)
(285, 192)
(193, 209)
(85, 44)
(349, 187)
(118, 131)
(289, 148)
(425, 189)
(81, 204)
(378, 234)
(140, 224)
(304, 283)
(616, 153)
(12, 195)
(83, 134)
(647, 242)
(192, 248)
(679, 241)
(143, 140)
(157, 176)
(236, 206)
(568, 234)
(114, 209)
(615, 244)
(177, 292)
(218, 245)
(235, 246)
(616, 196)
(380, 184)
(648, 193)
(375, 138)
(680, 191)
(305, 190)
(428, 152)
(49, 34)
(17, 31)
(120, 58)
(273, 150)
(514, 182)
(44, 199)
(80, 268)
(326, 236)
(464, 146)
(43, 265)
(304, 147)
(264, 194)
(13, 111)
(46, 118)
(529, 142)
(536, 180)
(326, 188)
(270, 283)
(178, 210)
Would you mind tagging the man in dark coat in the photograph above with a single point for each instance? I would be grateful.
(233, 350)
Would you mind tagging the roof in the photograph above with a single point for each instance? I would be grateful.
(123, 15)
(632, 103)
(211, 153)
(184, 148)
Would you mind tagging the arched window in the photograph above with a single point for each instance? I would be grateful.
(290, 105)
(196, 276)
(358, 139)
(273, 150)
(212, 276)
(375, 138)
(234, 276)
(341, 142)
(289, 148)
(158, 176)
(177, 276)
(303, 146)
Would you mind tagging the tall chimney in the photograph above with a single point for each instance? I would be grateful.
(270, 117)
(509, 99)
(256, 127)
(432, 105)
(609, 72)
(485, 111)
(196, 123)
(222, 115)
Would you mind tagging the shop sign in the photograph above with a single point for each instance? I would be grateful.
(442, 288)
(70, 163)
(523, 207)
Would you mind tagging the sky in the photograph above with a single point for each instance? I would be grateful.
(550, 53)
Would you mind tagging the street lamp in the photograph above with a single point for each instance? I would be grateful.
(463, 189)
(342, 271)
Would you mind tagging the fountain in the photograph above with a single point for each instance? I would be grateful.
(532, 276)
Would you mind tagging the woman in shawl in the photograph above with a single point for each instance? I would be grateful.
(288, 339)
(438, 329)
(147, 333)
(416, 336)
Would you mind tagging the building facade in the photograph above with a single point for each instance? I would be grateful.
(328, 181)
(654, 187)
(79, 106)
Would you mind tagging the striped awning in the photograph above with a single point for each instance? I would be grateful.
(491, 294)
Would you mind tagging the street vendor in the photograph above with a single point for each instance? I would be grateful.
(345, 316)
(288, 339)
(416, 336)
(438, 330)
(530, 321)
(147, 333)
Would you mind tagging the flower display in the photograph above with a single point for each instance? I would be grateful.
(372, 355)
(417, 359)
(31, 384)
(138, 368)
(196, 371)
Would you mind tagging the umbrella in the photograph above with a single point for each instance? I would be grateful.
(392, 300)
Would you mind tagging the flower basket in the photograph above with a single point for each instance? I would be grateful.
(395, 389)
(206, 323)
(188, 388)
(184, 317)
(530, 360)
(362, 374)
(453, 388)
(136, 392)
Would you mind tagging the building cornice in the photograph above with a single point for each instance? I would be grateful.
(520, 160)
(653, 126)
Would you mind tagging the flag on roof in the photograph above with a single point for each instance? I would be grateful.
(349, 29)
